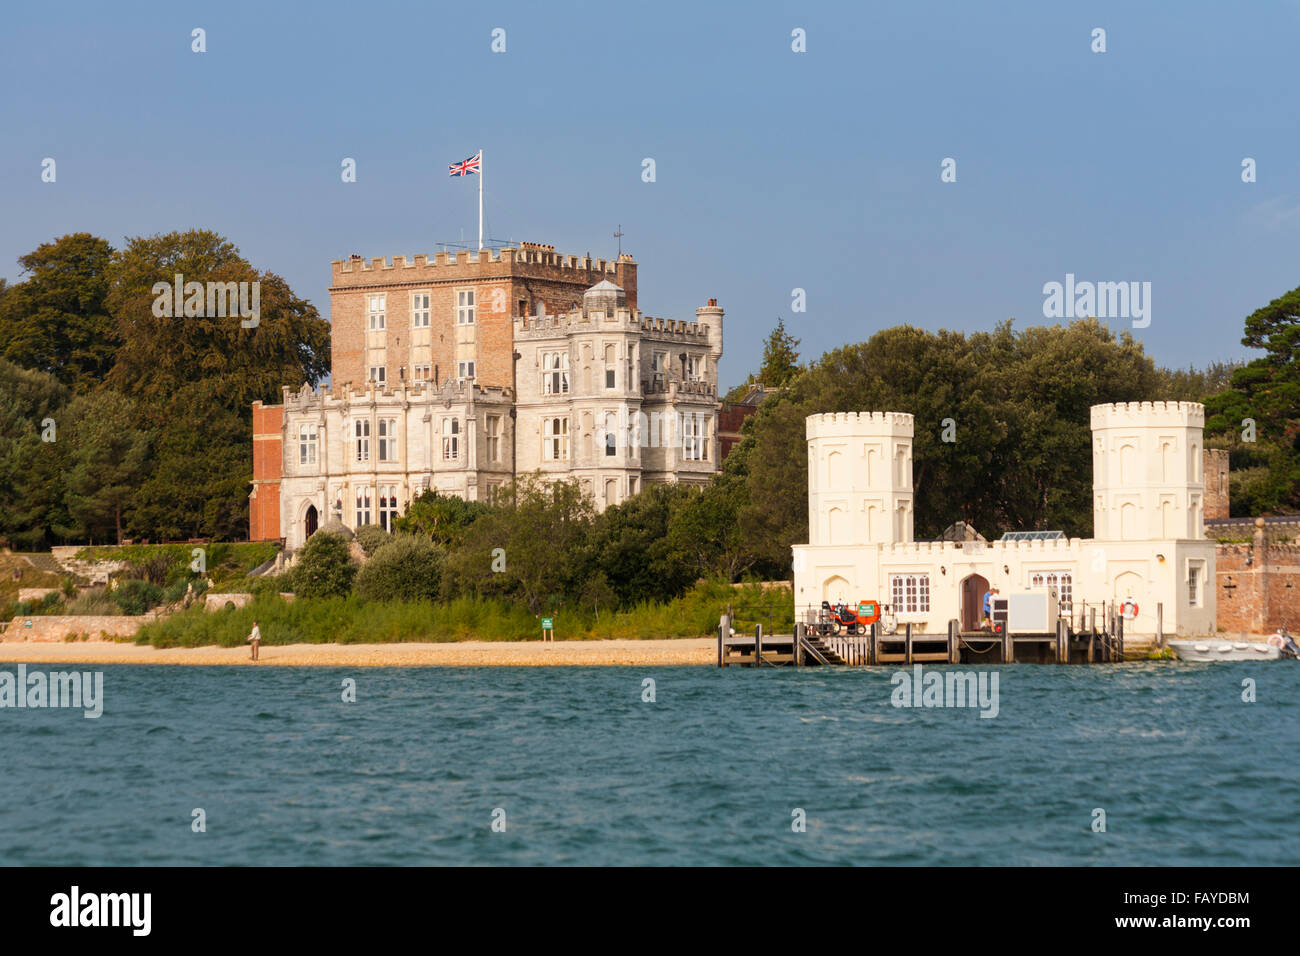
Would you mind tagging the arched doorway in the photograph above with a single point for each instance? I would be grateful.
(972, 601)
(312, 519)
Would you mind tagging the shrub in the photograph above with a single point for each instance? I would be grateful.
(136, 597)
(324, 567)
(94, 602)
(407, 568)
(372, 537)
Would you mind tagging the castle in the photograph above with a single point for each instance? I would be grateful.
(459, 372)
(1148, 512)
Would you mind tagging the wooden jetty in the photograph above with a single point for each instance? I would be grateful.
(1088, 644)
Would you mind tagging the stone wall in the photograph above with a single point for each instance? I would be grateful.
(59, 628)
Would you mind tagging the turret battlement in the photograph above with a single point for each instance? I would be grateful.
(1147, 414)
(859, 424)
(534, 326)
(421, 264)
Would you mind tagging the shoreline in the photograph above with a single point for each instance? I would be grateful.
(672, 652)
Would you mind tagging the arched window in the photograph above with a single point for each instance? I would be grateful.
(450, 439)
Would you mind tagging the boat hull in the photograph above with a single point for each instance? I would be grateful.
(1215, 649)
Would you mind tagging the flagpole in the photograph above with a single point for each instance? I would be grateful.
(480, 200)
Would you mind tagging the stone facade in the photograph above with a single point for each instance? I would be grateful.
(1149, 546)
(555, 371)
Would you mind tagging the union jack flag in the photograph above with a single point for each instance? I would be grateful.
(466, 167)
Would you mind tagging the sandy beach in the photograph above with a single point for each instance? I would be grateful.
(459, 654)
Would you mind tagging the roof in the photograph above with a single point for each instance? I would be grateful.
(1032, 536)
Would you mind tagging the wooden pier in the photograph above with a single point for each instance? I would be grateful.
(806, 647)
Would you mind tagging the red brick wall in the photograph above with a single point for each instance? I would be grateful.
(1257, 587)
(268, 460)
(556, 281)
(1215, 462)
(730, 418)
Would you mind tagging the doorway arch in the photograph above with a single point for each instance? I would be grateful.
(973, 587)
(310, 522)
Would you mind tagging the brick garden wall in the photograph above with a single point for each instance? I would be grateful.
(1258, 587)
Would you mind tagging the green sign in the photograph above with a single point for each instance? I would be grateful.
(546, 624)
(27, 623)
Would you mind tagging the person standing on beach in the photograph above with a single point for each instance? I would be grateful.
(255, 638)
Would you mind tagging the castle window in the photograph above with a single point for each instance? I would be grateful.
(387, 507)
(694, 368)
(609, 366)
(1194, 583)
(910, 593)
(1063, 581)
(376, 312)
(450, 439)
(420, 310)
(693, 432)
(363, 506)
(555, 439)
(465, 369)
(421, 373)
(388, 439)
(307, 444)
(362, 431)
(378, 374)
(494, 437)
(555, 373)
(465, 307)
(611, 435)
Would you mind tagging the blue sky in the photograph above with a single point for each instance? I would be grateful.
(774, 170)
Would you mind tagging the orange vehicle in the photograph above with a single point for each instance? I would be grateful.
(837, 617)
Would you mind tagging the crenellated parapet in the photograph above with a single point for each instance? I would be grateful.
(1148, 414)
(859, 424)
(527, 254)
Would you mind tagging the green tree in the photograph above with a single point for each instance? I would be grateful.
(57, 319)
(442, 518)
(106, 458)
(405, 568)
(194, 378)
(706, 532)
(31, 467)
(1258, 416)
(780, 357)
(324, 567)
(523, 547)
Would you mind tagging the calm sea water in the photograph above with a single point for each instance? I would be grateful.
(588, 773)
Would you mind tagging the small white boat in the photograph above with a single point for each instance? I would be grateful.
(1218, 649)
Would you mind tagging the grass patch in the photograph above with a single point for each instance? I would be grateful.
(350, 620)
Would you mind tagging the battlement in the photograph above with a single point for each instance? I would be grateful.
(990, 550)
(306, 398)
(528, 253)
(1148, 414)
(533, 326)
(860, 424)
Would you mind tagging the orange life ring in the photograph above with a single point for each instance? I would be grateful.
(1129, 609)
